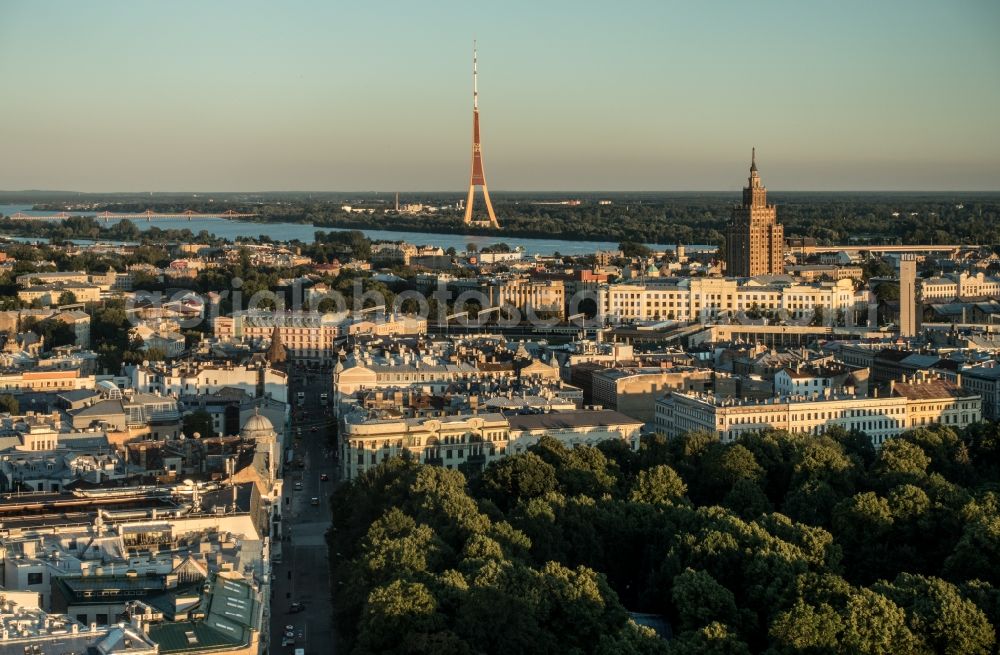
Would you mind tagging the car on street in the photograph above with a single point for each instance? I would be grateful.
(295, 608)
(298, 486)
(324, 477)
(314, 501)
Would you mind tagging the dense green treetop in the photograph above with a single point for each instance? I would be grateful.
(776, 543)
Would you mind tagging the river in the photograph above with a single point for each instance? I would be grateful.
(231, 229)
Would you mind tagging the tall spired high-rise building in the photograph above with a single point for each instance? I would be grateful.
(478, 174)
(755, 242)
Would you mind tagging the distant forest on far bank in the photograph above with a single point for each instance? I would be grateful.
(664, 218)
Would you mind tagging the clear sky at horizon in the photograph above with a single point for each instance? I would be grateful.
(574, 95)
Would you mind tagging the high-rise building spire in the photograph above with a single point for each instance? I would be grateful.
(755, 241)
(478, 177)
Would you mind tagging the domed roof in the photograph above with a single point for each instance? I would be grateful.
(258, 427)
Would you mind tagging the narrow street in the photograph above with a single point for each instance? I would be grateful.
(303, 576)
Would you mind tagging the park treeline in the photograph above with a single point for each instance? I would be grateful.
(695, 218)
(775, 543)
(702, 220)
(85, 227)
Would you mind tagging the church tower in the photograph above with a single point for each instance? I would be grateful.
(755, 242)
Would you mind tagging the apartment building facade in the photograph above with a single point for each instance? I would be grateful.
(691, 299)
(472, 439)
(912, 404)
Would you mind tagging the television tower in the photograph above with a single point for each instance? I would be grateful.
(478, 175)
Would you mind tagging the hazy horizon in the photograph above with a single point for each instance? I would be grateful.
(119, 97)
(493, 192)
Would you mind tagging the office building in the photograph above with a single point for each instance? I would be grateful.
(755, 242)
(911, 404)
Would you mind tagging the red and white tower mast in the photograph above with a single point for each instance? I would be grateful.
(478, 174)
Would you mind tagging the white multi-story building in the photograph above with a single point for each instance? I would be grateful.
(473, 439)
(529, 296)
(633, 390)
(985, 381)
(688, 299)
(961, 286)
(306, 336)
(45, 381)
(311, 336)
(911, 404)
(52, 277)
(818, 380)
(28, 629)
(434, 375)
(192, 379)
(51, 294)
(13, 320)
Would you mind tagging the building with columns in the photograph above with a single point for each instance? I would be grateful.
(472, 440)
(695, 298)
(755, 242)
(915, 402)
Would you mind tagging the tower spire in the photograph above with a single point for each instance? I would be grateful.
(478, 177)
(755, 241)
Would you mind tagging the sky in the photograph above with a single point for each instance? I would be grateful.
(574, 95)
